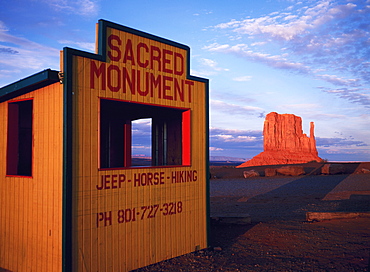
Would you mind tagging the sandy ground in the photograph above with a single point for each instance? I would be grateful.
(279, 237)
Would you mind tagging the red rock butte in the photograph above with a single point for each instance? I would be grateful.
(284, 142)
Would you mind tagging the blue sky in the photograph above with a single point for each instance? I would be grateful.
(308, 58)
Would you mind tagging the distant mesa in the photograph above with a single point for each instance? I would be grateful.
(284, 142)
(226, 159)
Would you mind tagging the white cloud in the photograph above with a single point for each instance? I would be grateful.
(243, 78)
(275, 61)
(211, 148)
(83, 45)
(207, 67)
(217, 47)
(339, 81)
(270, 26)
(141, 147)
(20, 42)
(233, 141)
(202, 73)
(359, 96)
(22, 53)
(290, 17)
(246, 139)
(233, 108)
(224, 136)
(3, 27)
(325, 40)
(258, 43)
(236, 138)
(211, 64)
(80, 7)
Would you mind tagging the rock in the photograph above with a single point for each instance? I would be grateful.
(284, 142)
(250, 174)
(270, 172)
(365, 171)
(217, 249)
(333, 169)
(291, 170)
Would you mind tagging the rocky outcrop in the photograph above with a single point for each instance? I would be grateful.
(284, 142)
(270, 172)
(333, 169)
(251, 174)
(291, 170)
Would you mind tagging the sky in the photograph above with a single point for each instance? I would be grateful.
(308, 58)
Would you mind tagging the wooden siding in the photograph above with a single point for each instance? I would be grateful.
(103, 240)
(30, 207)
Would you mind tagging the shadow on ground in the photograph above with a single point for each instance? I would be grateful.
(226, 234)
(292, 200)
(288, 201)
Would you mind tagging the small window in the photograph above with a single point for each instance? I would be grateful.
(19, 145)
(169, 138)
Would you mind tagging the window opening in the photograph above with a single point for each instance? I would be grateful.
(168, 140)
(19, 144)
(141, 142)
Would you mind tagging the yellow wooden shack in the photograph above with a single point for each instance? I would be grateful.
(71, 196)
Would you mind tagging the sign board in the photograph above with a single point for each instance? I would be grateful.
(120, 216)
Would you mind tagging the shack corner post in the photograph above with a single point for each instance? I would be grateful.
(101, 209)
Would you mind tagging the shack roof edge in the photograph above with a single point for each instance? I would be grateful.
(29, 84)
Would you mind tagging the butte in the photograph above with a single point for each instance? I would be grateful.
(284, 142)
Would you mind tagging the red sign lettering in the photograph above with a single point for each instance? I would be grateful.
(159, 59)
(138, 82)
(111, 182)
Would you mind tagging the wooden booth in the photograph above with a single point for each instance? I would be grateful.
(71, 196)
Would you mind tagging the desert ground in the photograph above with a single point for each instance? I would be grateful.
(279, 238)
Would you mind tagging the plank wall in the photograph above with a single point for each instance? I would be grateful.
(102, 239)
(30, 207)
